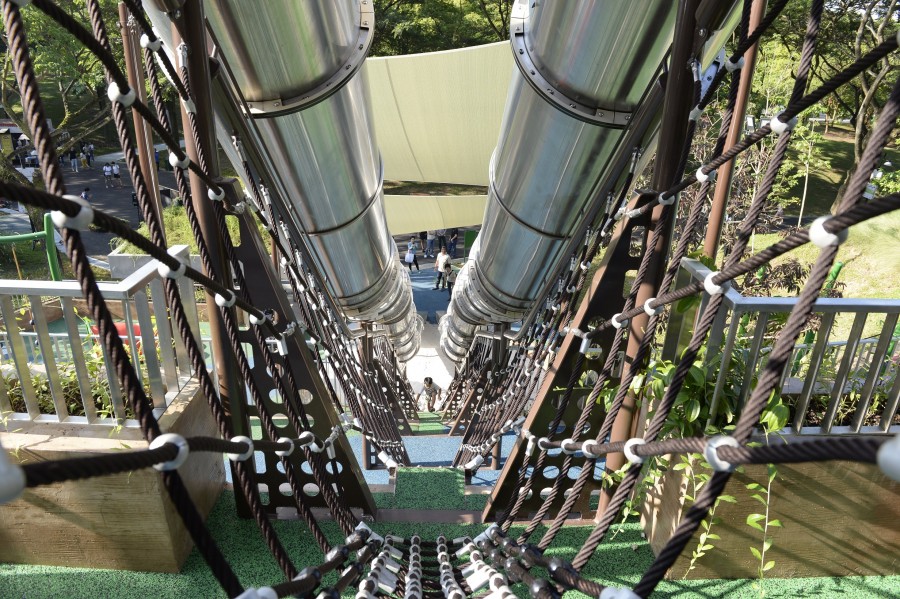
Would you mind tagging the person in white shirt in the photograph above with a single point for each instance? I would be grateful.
(431, 392)
(411, 257)
(440, 265)
(107, 175)
(117, 179)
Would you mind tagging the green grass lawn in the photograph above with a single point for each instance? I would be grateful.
(837, 148)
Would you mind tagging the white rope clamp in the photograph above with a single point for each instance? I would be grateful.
(79, 222)
(662, 200)
(285, 452)
(822, 238)
(617, 322)
(704, 177)
(695, 113)
(718, 464)
(240, 457)
(179, 442)
(618, 593)
(223, 302)
(650, 310)
(732, 66)
(115, 95)
(629, 450)
(589, 449)
(166, 272)
(153, 46)
(177, 162)
(256, 320)
(713, 289)
(260, 593)
(634, 213)
(215, 196)
(780, 127)
(888, 459)
(569, 446)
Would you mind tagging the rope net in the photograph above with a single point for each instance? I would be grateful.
(493, 388)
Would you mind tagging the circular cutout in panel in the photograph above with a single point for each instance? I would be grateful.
(280, 420)
(566, 493)
(306, 468)
(285, 489)
(305, 397)
(331, 465)
(311, 489)
(550, 472)
(554, 452)
(573, 472)
(588, 379)
(560, 428)
(275, 396)
(279, 466)
(545, 492)
(312, 421)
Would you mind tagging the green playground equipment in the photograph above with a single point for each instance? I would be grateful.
(49, 245)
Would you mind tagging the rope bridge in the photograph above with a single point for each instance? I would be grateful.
(494, 387)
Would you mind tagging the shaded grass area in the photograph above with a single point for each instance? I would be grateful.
(619, 561)
(33, 264)
(837, 149)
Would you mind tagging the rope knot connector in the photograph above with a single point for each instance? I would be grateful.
(224, 302)
(718, 464)
(179, 442)
(285, 452)
(733, 65)
(651, 311)
(167, 272)
(704, 177)
(115, 95)
(153, 46)
(617, 321)
(215, 196)
(618, 593)
(240, 457)
(569, 446)
(79, 222)
(779, 126)
(177, 162)
(821, 238)
(628, 450)
(713, 289)
(662, 200)
(695, 113)
(267, 316)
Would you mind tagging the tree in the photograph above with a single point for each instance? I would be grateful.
(72, 79)
(413, 26)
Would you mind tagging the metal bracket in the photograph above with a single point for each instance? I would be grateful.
(282, 106)
(604, 117)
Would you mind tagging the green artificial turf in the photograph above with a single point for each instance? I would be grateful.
(619, 561)
(430, 489)
(429, 424)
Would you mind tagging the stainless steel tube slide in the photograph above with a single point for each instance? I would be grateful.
(583, 67)
(296, 64)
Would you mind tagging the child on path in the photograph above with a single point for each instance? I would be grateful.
(431, 392)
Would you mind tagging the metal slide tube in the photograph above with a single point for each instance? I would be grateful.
(295, 63)
(583, 68)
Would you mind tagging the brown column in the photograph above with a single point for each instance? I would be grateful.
(672, 135)
(143, 136)
(192, 24)
(723, 186)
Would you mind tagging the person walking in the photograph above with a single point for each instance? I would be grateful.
(431, 392)
(441, 238)
(450, 275)
(451, 243)
(423, 237)
(411, 257)
(107, 175)
(90, 155)
(73, 159)
(440, 265)
(117, 178)
(429, 249)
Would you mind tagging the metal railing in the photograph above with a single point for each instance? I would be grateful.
(53, 369)
(839, 380)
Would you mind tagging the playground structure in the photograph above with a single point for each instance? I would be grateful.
(304, 353)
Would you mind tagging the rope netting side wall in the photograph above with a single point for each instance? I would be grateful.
(292, 345)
